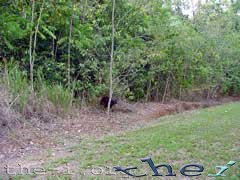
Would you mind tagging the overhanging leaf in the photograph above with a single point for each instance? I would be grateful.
(49, 32)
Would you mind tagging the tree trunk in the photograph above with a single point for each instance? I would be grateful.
(148, 91)
(53, 48)
(30, 46)
(193, 10)
(35, 44)
(111, 59)
(165, 90)
(69, 51)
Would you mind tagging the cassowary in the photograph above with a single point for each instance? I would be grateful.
(104, 101)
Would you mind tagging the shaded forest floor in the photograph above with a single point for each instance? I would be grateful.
(55, 139)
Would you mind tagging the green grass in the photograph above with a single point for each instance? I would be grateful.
(210, 137)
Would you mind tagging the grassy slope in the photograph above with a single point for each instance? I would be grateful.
(209, 137)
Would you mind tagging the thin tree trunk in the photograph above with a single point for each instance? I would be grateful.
(53, 48)
(193, 10)
(165, 90)
(6, 72)
(34, 45)
(180, 93)
(111, 59)
(148, 91)
(69, 51)
(30, 46)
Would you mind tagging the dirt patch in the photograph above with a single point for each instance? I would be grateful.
(28, 132)
(94, 121)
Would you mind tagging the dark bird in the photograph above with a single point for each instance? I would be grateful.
(104, 101)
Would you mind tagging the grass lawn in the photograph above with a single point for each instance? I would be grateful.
(210, 137)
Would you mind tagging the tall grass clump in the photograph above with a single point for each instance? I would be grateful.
(46, 98)
(60, 96)
(16, 82)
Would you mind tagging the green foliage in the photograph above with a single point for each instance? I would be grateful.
(157, 49)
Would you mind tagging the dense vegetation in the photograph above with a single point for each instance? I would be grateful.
(64, 46)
